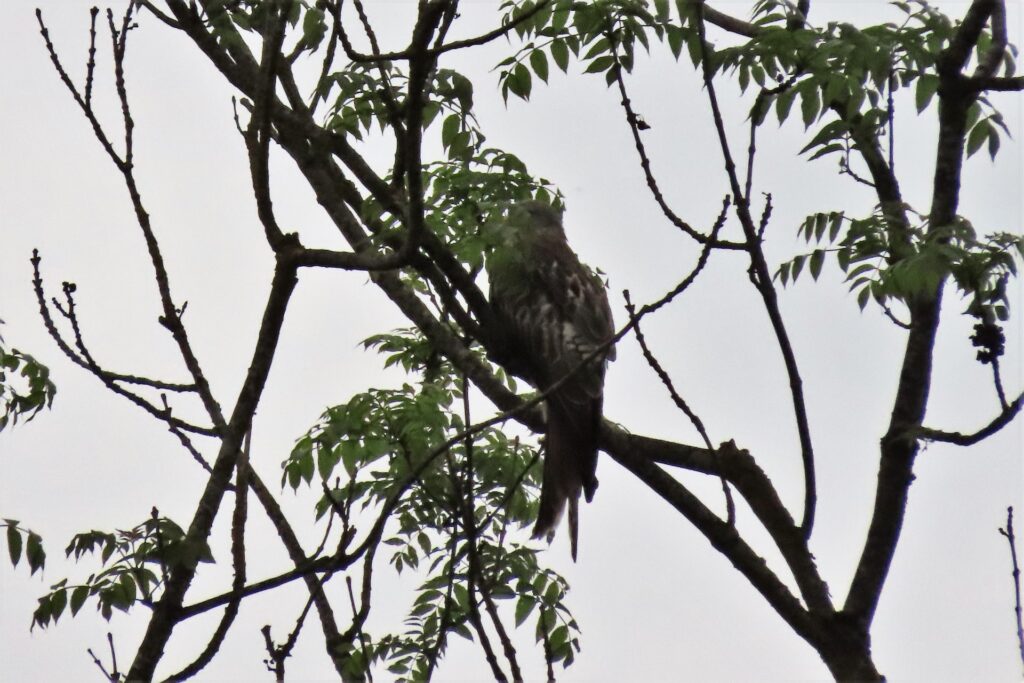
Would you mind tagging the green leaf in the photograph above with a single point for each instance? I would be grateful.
(835, 223)
(826, 150)
(450, 128)
(524, 607)
(798, 265)
(313, 27)
(14, 544)
(817, 260)
(694, 48)
(862, 297)
(560, 53)
(783, 273)
(58, 601)
(78, 598)
(600, 64)
(810, 103)
(926, 87)
(520, 82)
(976, 138)
(674, 35)
(829, 131)
(993, 143)
(539, 62)
(34, 552)
(559, 18)
(760, 110)
(973, 114)
(820, 223)
(783, 103)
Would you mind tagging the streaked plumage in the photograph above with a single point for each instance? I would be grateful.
(553, 313)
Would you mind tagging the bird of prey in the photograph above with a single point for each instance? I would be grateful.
(554, 320)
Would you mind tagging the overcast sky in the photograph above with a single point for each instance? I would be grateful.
(654, 600)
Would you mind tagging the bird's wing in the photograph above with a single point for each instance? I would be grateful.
(580, 318)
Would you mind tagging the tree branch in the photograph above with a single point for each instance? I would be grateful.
(958, 439)
(900, 444)
(1012, 541)
(763, 283)
(166, 611)
(411, 54)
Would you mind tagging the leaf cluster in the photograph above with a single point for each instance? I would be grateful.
(881, 268)
(135, 563)
(25, 386)
(457, 523)
(20, 539)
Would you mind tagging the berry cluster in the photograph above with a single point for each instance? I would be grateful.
(990, 340)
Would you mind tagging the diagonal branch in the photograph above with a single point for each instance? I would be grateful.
(412, 54)
(652, 183)
(762, 279)
(958, 439)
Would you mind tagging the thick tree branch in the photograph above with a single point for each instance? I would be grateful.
(900, 444)
(166, 610)
(724, 538)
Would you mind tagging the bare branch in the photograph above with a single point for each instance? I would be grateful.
(1012, 541)
(958, 439)
(411, 54)
(729, 23)
(108, 381)
(999, 83)
(238, 519)
(763, 282)
(645, 163)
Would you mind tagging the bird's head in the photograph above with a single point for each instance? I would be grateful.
(526, 221)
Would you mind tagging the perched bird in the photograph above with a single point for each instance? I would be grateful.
(552, 314)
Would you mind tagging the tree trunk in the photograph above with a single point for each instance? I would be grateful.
(845, 647)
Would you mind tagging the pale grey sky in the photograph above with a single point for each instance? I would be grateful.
(654, 601)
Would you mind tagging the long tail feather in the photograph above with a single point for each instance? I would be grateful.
(569, 450)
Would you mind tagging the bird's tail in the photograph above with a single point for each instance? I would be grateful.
(569, 462)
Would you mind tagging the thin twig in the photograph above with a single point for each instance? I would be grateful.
(322, 87)
(360, 635)
(730, 505)
(51, 328)
(1012, 541)
(997, 380)
(442, 629)
(763, 284)
(412, 54)
(549, 657)
(652, 183)
(99, 664)
(114, 674)
(90, 62)
(958, 439)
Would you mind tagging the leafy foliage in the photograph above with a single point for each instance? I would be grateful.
(452, 505)
(135, 564)
(880, 267)
(457, 513)
(24, 541)
(25, 386)
(463, 196)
